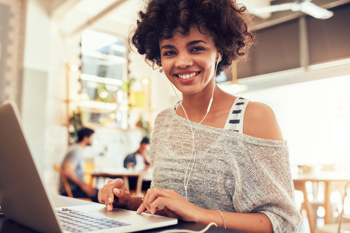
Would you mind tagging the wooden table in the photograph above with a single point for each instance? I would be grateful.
(331, 180)
(122, 175)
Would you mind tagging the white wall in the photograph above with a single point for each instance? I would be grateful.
(314, 118)
(37, 38)
(36, 53)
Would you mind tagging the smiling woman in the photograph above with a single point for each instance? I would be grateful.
(216, 157)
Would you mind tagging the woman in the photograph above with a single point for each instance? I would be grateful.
(216, 157)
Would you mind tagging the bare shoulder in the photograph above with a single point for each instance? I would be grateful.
(260, 121)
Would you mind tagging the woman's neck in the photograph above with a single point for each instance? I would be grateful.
(196, 106)
(219, 110)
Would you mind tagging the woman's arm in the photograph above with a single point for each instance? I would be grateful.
(269, 163)
(174, 205)
(249, 222)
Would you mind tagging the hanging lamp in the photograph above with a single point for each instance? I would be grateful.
(236, 87)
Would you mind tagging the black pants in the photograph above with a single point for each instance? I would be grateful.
(80, 193)
(133, 182)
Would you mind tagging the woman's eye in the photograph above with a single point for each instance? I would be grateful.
(168, 53)
(197, 49)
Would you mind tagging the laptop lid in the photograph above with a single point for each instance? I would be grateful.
(23, 197)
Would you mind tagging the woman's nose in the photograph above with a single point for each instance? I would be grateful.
(183, 61)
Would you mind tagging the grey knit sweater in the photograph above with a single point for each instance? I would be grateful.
(232, 171)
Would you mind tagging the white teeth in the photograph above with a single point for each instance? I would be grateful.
(187, 76)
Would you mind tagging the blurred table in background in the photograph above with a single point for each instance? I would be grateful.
(332, 181)
(124, 175)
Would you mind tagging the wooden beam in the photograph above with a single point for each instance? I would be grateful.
(96, 18)
(59, 11)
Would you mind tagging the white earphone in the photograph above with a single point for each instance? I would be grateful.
(219, 57)
(188, 170)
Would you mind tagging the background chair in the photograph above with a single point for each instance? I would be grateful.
(300, 186)
(66, 184)
(338, 227)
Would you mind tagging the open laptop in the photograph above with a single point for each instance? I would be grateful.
(23, 197)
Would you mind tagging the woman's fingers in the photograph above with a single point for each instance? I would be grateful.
(109, 201)
(160, 201)
(168, 203)
(154, 199)
(147, 197)
(153, 194)
(141, 209)
(159, 211)
(108, 191)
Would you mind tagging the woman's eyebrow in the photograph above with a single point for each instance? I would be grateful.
(167, 46)
(196, 42)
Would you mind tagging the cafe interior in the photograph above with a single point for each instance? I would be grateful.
(68, 64)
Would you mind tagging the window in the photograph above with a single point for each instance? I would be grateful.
(103, 71)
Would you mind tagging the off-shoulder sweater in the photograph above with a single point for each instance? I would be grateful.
(232, 171)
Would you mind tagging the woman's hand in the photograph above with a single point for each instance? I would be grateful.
(114, 194)
(171, 204)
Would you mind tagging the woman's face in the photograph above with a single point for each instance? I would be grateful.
(189, 60)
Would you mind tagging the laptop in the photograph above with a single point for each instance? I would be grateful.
(24, 199)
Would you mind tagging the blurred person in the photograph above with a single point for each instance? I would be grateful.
(139, 160)
(73, 167)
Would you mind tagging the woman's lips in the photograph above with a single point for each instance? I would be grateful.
(188, 77)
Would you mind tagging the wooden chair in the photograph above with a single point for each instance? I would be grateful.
(338, 227)
(300, 186)
(66, 184)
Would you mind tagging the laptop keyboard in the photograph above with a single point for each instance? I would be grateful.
(76, 221)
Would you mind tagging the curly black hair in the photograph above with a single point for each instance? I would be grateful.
(224, 20)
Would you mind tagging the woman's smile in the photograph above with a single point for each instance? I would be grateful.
(187, 77)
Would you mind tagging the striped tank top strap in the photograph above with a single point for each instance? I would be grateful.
(235, 118)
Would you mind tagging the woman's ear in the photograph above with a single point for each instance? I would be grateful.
(218, 59)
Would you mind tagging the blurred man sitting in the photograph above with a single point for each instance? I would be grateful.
(73, 167)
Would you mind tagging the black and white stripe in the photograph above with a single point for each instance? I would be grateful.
(235, 119)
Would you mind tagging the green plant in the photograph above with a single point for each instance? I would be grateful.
(103, 94)
(144, 125)
(75, 123)
(126, 86)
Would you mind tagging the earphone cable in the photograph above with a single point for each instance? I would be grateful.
(194, 153)
(193, 157)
